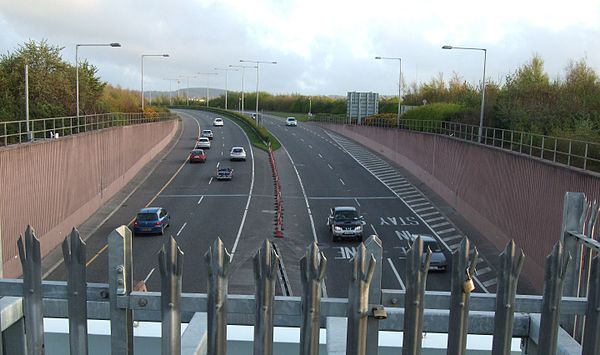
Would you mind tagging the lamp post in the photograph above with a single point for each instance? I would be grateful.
(479, 138)
(243, 71)
(399, 84)
(309, 106)
(207, 86)
(257, 62)
(143, 56)
(226, 70)
(114, 44)
(170, 90)
(187, 96)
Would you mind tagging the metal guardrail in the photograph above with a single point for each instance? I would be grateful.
(569, 152)
(14, 132)
(368, 309)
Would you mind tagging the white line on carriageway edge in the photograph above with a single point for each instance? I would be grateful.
(421, 218)
(239, 233)
(312, 222)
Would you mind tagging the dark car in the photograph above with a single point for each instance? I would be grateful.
(345, 223)
(151, 220)
(438, 260)
(224, 173)
(197, 156)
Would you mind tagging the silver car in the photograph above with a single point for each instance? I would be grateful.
(237, 153)
(203, 143)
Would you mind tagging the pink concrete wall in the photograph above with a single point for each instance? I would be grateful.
(57, 184)
(504, 195)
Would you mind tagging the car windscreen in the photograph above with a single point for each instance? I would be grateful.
(346, 216)
(147, 217)
(434, 246)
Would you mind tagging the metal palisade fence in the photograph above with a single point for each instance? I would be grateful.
(14, 132)
(367, 310)
(569, 152)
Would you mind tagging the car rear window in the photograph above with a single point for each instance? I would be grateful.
(207, 131)
(238, 150)
(434, 246)
(147, 217)
(203, 139)
(197, 151)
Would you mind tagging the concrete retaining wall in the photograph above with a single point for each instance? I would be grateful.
(504, 195)
(57, 184)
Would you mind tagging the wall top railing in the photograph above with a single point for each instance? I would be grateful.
(367, 310)
(569, 152)
(14, 132)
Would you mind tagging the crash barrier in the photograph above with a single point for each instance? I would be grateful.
(14, 132)
(367, 310)
(278, 197)
(570, 152)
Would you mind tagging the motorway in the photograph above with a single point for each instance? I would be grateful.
(318, 170)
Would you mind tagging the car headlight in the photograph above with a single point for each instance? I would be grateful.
(338, 229)
(358, 229)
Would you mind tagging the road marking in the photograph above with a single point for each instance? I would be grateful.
(320, 156)
(200, 200)
(330, 167)
(209, 181)
(149, 274)
(429, 214)
(446, 231)
(454, 237)
(433, 219)
(490, 282)
(397, 274)
(424, 209)
(180, 229)
(218, 164)
(93, 258)
(352, 197)
(374, 230)
(342, 181)
(221, 152)
(310, 146)
(358, 203)
(439, 224)
(302, 139)
(484, 271)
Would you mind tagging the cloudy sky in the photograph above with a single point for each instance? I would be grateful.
(321, 46)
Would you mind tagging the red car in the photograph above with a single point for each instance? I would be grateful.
(197, 156)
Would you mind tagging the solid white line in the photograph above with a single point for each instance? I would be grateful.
(209, 181)
(239, 233)
(342, 181)
(200, 200)
(414, 211)
(397, 274)
(374, 230)
(330, 167)
(180, 229)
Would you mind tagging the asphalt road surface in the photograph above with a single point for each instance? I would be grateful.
(318, 170)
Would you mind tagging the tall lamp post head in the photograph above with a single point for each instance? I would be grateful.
(446, 47)
(115, 44)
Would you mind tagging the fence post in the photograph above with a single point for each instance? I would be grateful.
(585, 157)
(218, 260)
(266, 262)
(358, 301)
(170, 264)
(120, 280)
(31, 262)
(574, 210)
(414, 301)
(511, 262)
(591, 337)
(556, 265)
(374, 248)
(73, 249)
(312, 272)
(463, 268)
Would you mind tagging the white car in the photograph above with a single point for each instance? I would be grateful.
(203, 143)
(218, 122)
(237, 153)
(291, 121)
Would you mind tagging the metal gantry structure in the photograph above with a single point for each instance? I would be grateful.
(367, 311)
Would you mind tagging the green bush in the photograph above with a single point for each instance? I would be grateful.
(435, 112)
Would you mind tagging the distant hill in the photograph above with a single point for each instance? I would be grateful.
(199, 93)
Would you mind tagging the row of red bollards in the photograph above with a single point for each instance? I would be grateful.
(278, 199)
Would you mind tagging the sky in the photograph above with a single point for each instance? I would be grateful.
(322, 47)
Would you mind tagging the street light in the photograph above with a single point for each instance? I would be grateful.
(257, 62)
(226, 70)
(148, 55)
(187, 96)
(114, 44)
(207, 85)
(243, 71)
(483, 84)
(170, 89)
(399, 83)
